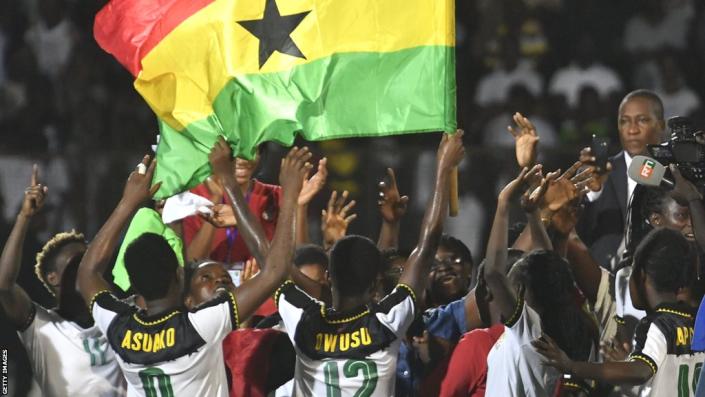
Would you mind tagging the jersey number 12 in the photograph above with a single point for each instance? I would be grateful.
(351, 369)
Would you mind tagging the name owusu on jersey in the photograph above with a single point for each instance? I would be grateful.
(330, 343)
(151, 343)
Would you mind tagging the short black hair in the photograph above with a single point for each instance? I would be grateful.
(310, 254)
(650, 96)
(355, 262)
(654, 201)
(151, 265)
(667, 257)
(457, 246)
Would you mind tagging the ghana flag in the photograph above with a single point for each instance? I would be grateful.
(261, 70)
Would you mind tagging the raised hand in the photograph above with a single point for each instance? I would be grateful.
(391, 205)
(221, 159)
(34, 195)
(293, 170)
(567, 187)
(517, 186)
(525, 140)
(139, 188)
(335, 220)
(685, 191)
(314, 184)
(451, 151)
(532, 198)
(600, 175)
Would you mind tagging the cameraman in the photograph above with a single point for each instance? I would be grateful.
(601, 227)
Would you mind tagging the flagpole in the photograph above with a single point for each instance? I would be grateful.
(453, 206)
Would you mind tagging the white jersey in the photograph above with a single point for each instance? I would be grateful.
(345, 354)
(178, 353)
(662, 341)
(68, 360)
(514, 368)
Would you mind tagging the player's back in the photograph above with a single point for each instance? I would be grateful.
(176, 353)
(343, 354)
(663, 341)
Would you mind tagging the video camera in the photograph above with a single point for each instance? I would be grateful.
(685, 149)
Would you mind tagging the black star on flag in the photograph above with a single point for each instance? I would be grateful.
(274, 32)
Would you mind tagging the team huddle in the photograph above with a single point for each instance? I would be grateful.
(538, 317)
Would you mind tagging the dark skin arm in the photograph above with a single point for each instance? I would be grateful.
(96, 260)
(14, 300)
(311, 187)
(585, 269)
(530, 202)
(450, 153)
(625, 372)
(496, 262)
(392, 207)
(277, 258)
(200, 246)
(249, 225)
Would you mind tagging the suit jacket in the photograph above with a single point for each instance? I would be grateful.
(601, 225)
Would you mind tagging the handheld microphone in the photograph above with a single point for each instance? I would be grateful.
(648, 172)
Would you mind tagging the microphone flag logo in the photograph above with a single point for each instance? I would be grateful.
(647, 168)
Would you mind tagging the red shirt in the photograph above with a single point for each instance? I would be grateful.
(247, 353)
(467, 370)
(227, 245)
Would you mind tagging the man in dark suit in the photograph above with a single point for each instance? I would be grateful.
(601, 226)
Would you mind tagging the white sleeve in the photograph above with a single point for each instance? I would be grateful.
(292, 302)
(30, 337)
(525, 323)
(215, 319)
(104, 307)
(650, 345)
(397, 310)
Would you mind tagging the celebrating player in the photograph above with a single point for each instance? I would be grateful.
(68, 353)
(164, 347)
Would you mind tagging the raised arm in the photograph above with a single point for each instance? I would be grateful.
(96, 260)
(450, 153)
(13, 299)
(251, 294)
(248, 225)
(495, 273)
(392, 207)
(311, 187)
(335, 219)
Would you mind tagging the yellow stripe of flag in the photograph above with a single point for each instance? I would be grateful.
(192, 64)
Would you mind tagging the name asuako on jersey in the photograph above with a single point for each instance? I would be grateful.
(149, 342)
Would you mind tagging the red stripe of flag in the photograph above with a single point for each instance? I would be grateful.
(129, 29)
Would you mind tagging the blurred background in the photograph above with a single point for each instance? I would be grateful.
(563, 63)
